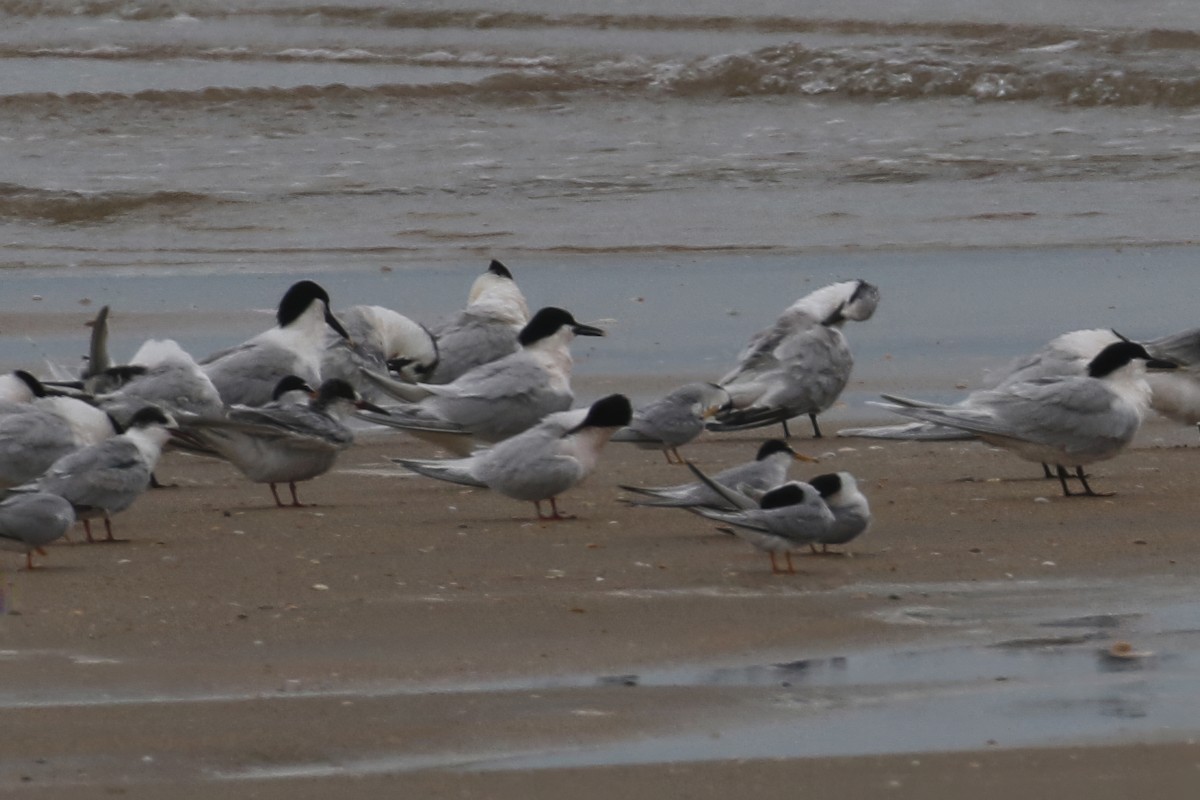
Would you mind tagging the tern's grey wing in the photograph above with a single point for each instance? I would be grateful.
(248, 374)
(30, 441)
(176, 387)
(500, 399)
(668, 421)
(750, 519)
(760, 354)
(34, 519)
(292, 422)
(1075, 414)
(468, 340)
(729, 495)
(453, 470)
(109, 475)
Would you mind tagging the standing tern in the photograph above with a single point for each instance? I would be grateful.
(768, 470)
(674, 419)
(1065, 421)
(30, 521)
(247, 374)
(783, 519)
(105, 478)
(799, 365)
(540, 463)
(283, 441)
(495, 400)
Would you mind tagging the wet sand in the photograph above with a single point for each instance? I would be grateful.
(403, 634)
(410, 637)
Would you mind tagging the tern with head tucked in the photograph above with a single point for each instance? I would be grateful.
(247, 374)
(768, 470)
(485, 330)
(674, 419)
(380, 338)
(30, 521)
(105, 478)
(495, 400)
(541, 463)
(1066, 421)
(800, 365)
(285, 441)
(780, 521)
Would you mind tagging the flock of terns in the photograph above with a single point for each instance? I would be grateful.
(492, 384)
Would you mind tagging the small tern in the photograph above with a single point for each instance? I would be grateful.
(105, 478)
(782, 520)
(800, 365)
(285, 441)
(768, 470)
(541, 463)
(30, 521)
(674, 419)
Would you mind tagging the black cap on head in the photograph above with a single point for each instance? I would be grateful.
(549, 321)
(148, 415)
(613, 411)
(336, 389)
(297, 299)
(290, 383)
(1118, 354)
(772, 446)
(790, 494)
(827, 485)
(496, 268)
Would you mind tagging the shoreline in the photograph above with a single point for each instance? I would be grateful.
(441, 638)
(459, 631)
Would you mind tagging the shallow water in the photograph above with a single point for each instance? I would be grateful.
(187, 133)
(1003, 664)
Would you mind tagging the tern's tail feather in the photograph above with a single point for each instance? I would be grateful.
(406, 392)
(653, 497)
(733, 518)
(636, 437)
(748, 418)
(454, 470)
(735, 498)
(913, 431)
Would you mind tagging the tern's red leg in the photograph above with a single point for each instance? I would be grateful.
(787, 554)
(295, 500)
(87, 529)
(275, 494)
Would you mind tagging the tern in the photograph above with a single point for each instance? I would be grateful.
(1065, 421)
(768, 470)
(30, 521)
(105, 478)
(485, 330)
(247, 373)
(284, 441)
(782, 520)
(674, 419)
(296, 437)
(380, 338)
(495, 400)
(541, 463)
(799, 365)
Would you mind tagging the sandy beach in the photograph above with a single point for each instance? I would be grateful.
(404, 634)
